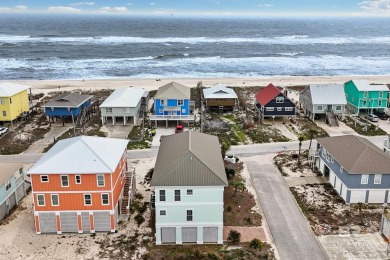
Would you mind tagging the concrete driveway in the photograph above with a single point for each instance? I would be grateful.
(384, 125)
(291, 234)
(117, 131)
(161, 131)
(342, 129)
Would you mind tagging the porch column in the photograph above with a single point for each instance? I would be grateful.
(37, 227)
(178, 236)
(113, 120)
(134, 120)
(124, 120)
(112, 218)
(103, 120)
(91, 222)
(158, 235)
(79, 223)
(58, 220)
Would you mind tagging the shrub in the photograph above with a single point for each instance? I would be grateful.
(294, 156)
(139, 196)
(139, 219)
(230, 173)
(234, 237)
(256, 243)
(212, 256)
(229, 209)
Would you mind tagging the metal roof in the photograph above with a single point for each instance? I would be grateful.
(10, 89)
(124, 97)
(173, 90)
(189, 159)
(356, 154)
(326, 94)
(7, 170)
(68, 100)
(219, 91)
(363, 85)
(265, 95)
(82, 154)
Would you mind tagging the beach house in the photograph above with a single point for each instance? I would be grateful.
(271, 102)
(324, 100)
(14, 101)
(188, 180)
(356, 168)
(13, 186)
(124, 104)
(221, 97)
(362, 96)
(78, 186)
(173, 102)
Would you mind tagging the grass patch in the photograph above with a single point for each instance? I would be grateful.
(371, 130)
(265, 134)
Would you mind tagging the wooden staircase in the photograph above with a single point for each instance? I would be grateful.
(331, 119)
(125, 199)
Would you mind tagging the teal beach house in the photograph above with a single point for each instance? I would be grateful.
(189, 179)
(363, 97)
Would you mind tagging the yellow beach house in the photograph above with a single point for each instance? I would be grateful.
(13, 101)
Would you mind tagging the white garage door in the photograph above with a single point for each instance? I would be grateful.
(3, 210)
(358, 196)
(344, 192)
(85, 223)
(20, 192)
(69, 222)
(376, 196)
(12, 201)
(102, 221)
(189, 234)
(47, 222)
(338, 185)
(210, 234)
(168, 235)
(332, 176)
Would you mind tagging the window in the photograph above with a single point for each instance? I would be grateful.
(41, 199)
(4, 113)
(323, 152)
(105, 199)
(288, 109)
(108, 109)
(127, 110)
(87, 199)
(160, 111)
(378, 179)
(7, 185)
(44, 178)
(177, 195)
(279, 109)
(54, 200)
(381, 94)
(163, 212)
(365, 94)
(10, 100)
(183, 111)
(328, 157)
(379, 103)
(332, 160)
(189, 215)
(64, 181)
(68, 109)
(52, 109)
(162, 195)
(364, 179)
(180, 102)
(78, 179)
(100, 180)
(269, 109)
(319, 107)
(279, 99)
(189, 192)
(2, 101)
(338, 108)
(341, 169)
(162, 102)
(364, 103)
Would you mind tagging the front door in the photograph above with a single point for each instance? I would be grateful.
(329, 108)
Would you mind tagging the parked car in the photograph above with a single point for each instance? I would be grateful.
(381, 115)
(3, 130)
(372, 118)
(179, 129)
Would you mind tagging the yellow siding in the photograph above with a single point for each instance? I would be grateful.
(19, 105)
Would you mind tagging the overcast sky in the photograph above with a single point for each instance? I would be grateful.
(204, 7)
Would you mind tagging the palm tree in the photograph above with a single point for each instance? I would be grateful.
(300, 139)
(312, 134)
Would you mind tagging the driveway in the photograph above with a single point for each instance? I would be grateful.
(286, 132)
(161, 131)
(291, 234)
(40, 145)
(117, 131)
(342, 129)
(384, 125)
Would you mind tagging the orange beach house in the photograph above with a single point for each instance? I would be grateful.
(78, 186)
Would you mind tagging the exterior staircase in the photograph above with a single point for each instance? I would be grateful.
(331, 119)
(128, 192)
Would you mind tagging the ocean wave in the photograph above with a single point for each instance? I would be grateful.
(289, 53)
(118, 40)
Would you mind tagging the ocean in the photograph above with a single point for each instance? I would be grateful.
(87, 46)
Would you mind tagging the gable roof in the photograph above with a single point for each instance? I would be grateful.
(266, 94)
(68, 100)
(219, 91)
(189, 159)
(10, 89)
(124, 97)
(7, 170)
(324, 94)
(356, 154)
(363, 85)
(173, 90)
(81, 154)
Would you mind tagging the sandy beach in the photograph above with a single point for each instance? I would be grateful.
(46, 86)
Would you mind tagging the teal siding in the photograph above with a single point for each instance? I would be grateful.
(5, 194)
(352, 93)
(372, 100)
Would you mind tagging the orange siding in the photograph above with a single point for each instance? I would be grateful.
(79, 224)
(92, 223)
(37, 228)
(112, 222)
(58, 222)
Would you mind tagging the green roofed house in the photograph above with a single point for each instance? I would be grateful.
(361, 96)
(189, 179)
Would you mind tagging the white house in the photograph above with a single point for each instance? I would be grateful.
(189, 179)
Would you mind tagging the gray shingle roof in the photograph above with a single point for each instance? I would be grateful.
(68, 100)
(356, 154)
(327, 94)
(173, 90)
(189, 159)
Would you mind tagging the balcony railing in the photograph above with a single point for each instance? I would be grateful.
(172, 117)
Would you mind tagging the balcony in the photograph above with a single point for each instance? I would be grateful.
(172, 117)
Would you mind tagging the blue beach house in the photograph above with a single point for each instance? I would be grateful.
(67, 105)
(356, 168)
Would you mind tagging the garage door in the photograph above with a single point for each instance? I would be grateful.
(210, 234)
(168, 235)
(189, 234)
(338, 185)
(12, 201)
(47, 222)
(344, 190)
(376, 196)
(3, 210)
(69, 222)
(332, 177)
(102, 221)
(358, 196)
(85, 223)
(20, 192)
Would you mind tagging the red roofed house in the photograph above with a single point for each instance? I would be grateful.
(271, 102)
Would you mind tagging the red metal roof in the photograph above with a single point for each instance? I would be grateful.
(266, 94)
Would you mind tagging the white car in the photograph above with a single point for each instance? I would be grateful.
(3, 130)
(372, 118)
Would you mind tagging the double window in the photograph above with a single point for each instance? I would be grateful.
(10, 100)
(177, 195)
(100, 180)
(105, 200)
(364, 179)
(7, 185)
(365, 94)
(77, 179)
(108, 109)
(162, 195)
(379, 103)
(180, 102)
(189, 215)
(378, 179)
(41, 200)
(279, 99)
(4, 113)
(44, 178)
(279, 109)
(269, 109)
(2, 101)
(64, 181)
(381, 94)
(54, 200)
(87, 199)
(190, 192)
(289, 109)
(163, 212)
(162, 102)
(319, 107)
(338, 108)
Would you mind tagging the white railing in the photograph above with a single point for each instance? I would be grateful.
(171, 117)
(132, 189)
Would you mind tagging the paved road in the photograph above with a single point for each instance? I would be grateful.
(291, 233)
